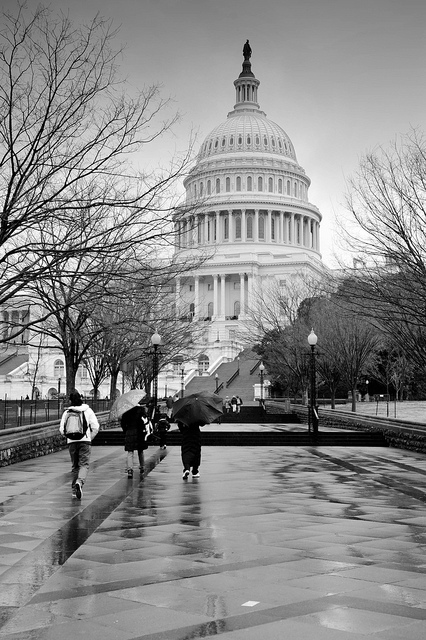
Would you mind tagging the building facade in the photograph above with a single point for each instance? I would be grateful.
(252, 219)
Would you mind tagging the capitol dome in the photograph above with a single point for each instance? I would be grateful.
(247, 133)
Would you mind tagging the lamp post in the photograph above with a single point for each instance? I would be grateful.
(155, 341)
(313, 409)
(238, 364)
(216, 379)
(261, 369)
(59, 394)
(182, 382)
(367, 397)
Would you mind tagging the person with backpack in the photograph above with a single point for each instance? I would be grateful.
(79, 425)
(162, 426)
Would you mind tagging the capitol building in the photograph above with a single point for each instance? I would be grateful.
(249, 214)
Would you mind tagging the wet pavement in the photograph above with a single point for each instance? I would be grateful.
(304, 543)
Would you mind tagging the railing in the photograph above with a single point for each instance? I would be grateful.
(253, 369)
(232, 378)
(18, 413)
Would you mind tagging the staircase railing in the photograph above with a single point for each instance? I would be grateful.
(220, 387)
(253, 369)
(232, 378)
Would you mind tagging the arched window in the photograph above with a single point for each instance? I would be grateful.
(192, 310)
(210, 309)
(257, 140)
(249, 224)
(58, 369)
(260, 184)
(231, 141)
(240, 139)
(261, 227)
(195, 190)
(288, 188)
(228, 184)
(248, 140)
(217, 185)
(270, 185)
(226, 228)
(238, 227)
(238, 183)
(280, 185)
(272, 227)
(249, 184)
(295, 189)
(203, 363)
(209, 187)
(201, 189)
(237, 308)
(223, 142)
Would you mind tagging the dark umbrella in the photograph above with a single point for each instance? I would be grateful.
(198, 407)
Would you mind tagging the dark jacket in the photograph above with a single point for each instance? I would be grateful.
(133, 425)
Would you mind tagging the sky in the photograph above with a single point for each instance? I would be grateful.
(341, 77)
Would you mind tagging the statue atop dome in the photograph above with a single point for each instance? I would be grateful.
(247, 51)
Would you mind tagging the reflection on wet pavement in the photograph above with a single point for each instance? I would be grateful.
(270, 542)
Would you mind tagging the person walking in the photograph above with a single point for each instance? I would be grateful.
(162, 427)
(239, 404)
(191, 448)
(169, 405)
(79, 425)
(136, 426)
(234, 403)
(227, 405)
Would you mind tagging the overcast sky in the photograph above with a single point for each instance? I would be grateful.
(339, 76)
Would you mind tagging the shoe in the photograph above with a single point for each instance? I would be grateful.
(73, 494)
(196, 475)
(163, 446)
(78, 490)
(185, 474)
(130, 473)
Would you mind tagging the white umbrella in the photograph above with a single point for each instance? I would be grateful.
(125, 402)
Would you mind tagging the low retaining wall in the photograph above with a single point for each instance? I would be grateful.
(397, 433)
(32, 441)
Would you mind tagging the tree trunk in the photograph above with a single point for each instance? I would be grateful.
(353, 408)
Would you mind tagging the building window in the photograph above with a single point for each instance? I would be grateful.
(191, 287)
(260, 184)
(280, 185)
(201, 189)
(249, 184)
(217, 185)
(223, 142)
(209, 187)
(295, 190)
(249, 224)
(270, 185)
(240, 140)
(257, 140)
(238, 183)
(248, 140)
(288, 188)
(228, 184)
(238, 227)
(210, 310)
(237, 286)
(261, 227)
(226, 228)
(231, 141)
(210, 287)
(272, 227)
(203, 364)
(58, 369)
(237, 307)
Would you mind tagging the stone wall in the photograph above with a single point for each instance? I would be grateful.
(21, 443)
(398, 433)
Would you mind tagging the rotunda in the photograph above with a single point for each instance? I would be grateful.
(248, 211)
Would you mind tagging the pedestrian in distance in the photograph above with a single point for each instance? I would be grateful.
(162, 426)
(239, 404)
(169, 405)
(227, 405)
(79, 425)
(191, 448)
(234, 403)
(137, 428)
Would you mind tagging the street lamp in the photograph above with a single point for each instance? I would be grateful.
(238, 364)
(367, 397)
(313, 409)
(261, 369)
(216, 378)
(59, 386)
(155, 341)
(182, 382)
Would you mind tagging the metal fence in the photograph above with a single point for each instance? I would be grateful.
(17, 413)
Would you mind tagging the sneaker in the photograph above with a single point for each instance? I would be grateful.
(78, 490)
(196, 475)
(185, 474)
(130, 473)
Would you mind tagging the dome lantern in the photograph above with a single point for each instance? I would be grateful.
(246, 85)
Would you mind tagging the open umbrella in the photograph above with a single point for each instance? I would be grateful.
(125, 402)
(198, 407)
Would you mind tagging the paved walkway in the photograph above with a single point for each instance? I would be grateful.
(298, 543)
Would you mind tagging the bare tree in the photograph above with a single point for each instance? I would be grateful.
(69, 128)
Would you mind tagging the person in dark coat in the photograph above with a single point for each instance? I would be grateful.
(191, 448)
(162, 427)
(135, 426)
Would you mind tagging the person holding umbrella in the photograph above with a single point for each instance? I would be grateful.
(191, 413)
(135, 424)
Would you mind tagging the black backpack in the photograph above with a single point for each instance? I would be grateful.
(75, 424)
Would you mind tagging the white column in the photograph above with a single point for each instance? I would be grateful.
(292, 229)
(222, 294)
(215, 296)
(196, 297)
(242, 294)
(285, 228)
(268, 230)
